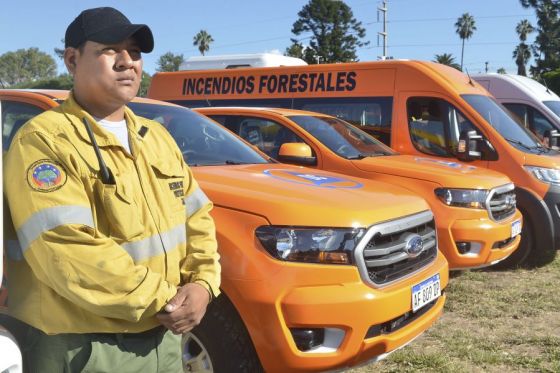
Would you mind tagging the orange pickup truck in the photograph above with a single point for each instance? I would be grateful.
(477, 222)
(320, 271)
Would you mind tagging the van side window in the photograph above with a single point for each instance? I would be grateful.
(14, 115)
(370, 114)
(265, 134)
(435, 125)
(531, 119)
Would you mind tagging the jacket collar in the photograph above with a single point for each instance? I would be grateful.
(76, 115)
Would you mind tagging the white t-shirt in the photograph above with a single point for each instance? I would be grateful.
(118, 129)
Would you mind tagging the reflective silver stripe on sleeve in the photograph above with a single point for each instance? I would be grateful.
(195, 201)
(152, 246)
(13, 250)
(49, 218)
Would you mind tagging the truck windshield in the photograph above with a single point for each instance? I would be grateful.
(342, 138)
(202, 141)
(554, 106)
(502, 122)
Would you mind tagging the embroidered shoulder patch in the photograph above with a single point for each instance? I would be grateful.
(46, 175)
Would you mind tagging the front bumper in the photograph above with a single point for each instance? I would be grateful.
(332, 297)
(489, 242)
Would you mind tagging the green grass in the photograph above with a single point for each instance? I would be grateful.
(494, 321)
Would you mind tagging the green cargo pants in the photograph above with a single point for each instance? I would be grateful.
(154, 351)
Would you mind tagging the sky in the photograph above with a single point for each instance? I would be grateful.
(417, 29)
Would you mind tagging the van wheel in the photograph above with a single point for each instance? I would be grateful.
(220, 343)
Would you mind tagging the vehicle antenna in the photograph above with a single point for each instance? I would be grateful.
(546, 85)
(470, 80)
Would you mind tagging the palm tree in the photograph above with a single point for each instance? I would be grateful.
(524, 28)
(202, 40)
(521, 54)
(465, 28)
(447, 59)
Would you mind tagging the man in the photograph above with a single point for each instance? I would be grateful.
(118, 247)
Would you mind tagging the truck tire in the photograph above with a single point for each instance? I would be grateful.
(220, 343)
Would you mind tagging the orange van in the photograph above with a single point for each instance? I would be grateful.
(302, 250)
(418, 108)
(477, 222)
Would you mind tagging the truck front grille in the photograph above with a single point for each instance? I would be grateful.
(395, 249)
(501, 202)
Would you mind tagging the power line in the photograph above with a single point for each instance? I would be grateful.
(448, 19)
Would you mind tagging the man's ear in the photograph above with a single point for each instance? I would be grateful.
(70, 56)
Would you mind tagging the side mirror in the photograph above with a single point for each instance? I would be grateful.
(296, 153)
(468, 148)
(552, 139)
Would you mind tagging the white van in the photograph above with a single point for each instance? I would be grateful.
(233, 61)
(536, 106)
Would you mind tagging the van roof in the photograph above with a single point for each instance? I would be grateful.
(239, 60)
(525, 86)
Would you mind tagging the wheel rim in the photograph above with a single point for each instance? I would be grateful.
(195, 356)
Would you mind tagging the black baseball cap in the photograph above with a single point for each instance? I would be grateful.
(107, 26)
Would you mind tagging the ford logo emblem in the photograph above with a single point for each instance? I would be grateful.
(413, 245)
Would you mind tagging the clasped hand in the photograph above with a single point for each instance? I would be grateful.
(186, 309)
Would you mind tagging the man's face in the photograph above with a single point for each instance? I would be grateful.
(106, 75)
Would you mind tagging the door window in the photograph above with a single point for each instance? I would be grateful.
(530, 118)
(266, 134)
(435, 125)
(370, 114)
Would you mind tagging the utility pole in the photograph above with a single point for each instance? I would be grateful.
(486, 67)
(384, 32)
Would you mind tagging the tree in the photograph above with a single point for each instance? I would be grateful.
(202, 40)
(447, 59)
(546, 48)
(144, 84)
(60, 51)
(501, 70)
(25, 65)
(300, 51)
(524, 28)
(169, 62)
(63, 81)
(465, 27)
(522, 53)
(335, 32)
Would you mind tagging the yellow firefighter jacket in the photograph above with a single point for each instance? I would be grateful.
(96, 257)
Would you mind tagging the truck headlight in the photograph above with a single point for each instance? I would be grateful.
(546, 175)
(310, 245)
(470, 198)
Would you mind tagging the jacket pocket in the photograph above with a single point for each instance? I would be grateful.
(122, 212)
(170, 178)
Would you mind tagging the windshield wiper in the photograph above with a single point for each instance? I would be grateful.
(528, 147)
(230, 162)
(358, 156)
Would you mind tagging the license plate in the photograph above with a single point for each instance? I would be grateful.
(515, 228)
(425, 292)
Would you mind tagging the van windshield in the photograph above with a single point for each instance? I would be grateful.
(554, 106)
(341, 137)
(502, 122)
(202, 141)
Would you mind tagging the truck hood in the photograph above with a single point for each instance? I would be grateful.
(288, 195)
(448, 174)
(542, 160)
